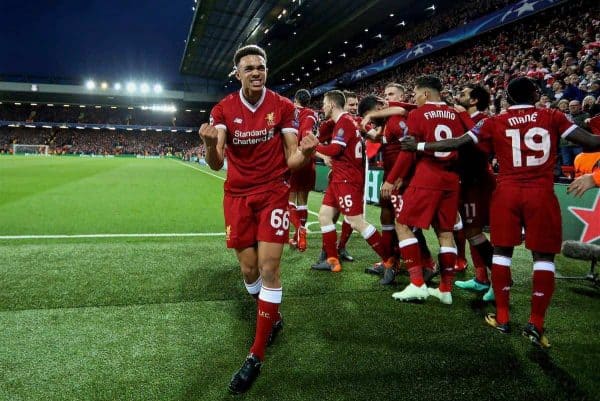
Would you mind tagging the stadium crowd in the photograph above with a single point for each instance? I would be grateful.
(558, 48)
(102, 142)
(118, 115)
(458, 14)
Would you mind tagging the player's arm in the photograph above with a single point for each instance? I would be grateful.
(297, 155)
(374, 134)
(214, 143)
(587, 181)
(587, 140)
(409, 143)
(383, 113)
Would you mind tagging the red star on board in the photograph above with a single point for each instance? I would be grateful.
(591, 220)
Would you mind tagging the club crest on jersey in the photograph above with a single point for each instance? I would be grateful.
(270, 118)
(404, 128)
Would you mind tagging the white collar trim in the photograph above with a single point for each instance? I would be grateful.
(521, 106)
(437, 103)
(249, 106)
(476, 113)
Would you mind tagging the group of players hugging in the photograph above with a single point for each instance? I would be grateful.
(436, 174)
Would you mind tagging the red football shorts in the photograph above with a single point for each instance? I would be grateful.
(303, 180)
(536, 209)
(346, 197)
(423, 207)
(259, 217)
(475, 199)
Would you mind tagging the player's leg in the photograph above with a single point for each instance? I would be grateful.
(271, 231)
(417, 209)
(327, 214)
(302, 214)
(294, 219)
(241, 236)
(460, 240)
(542, 291)
(388, 236)
(445, 218)
(481, 280)
(544, 239)
(374, 239)
(345, 234)
(447, 261)
(248, 258)
(501, 283)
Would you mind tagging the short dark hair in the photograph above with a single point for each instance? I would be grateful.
(429, 82)
(397, 86)
(522, 91)
(367, 104)
(348, 94)
(249, 50)
(480, 94)
(337, 97)
(302, 96)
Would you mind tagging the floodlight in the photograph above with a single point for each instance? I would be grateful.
(90, 84)
(104, 86)
(131, 87)
(158, 88)
(117, 86)
(144, 88)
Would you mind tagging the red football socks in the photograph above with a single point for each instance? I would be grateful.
(501, 282)
(375, 241)
(543, 288)
(345, 235)
(410, 252)
(266, 315)
(329, 239)
(447, 259)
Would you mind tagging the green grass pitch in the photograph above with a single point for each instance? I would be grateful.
(167, 318)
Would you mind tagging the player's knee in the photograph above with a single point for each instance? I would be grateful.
(269, 270)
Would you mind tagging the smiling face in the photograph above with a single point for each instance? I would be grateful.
(252, 74)
(351, 105)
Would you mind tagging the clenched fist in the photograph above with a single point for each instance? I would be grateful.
(209, 135)
(308, 144)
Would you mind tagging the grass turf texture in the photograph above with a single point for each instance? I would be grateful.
(169, 319)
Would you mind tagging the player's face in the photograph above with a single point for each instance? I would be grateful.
(393, 94)
(464, 98)
(351, 105)
(252, 73)
(327, 107)
(420, 96)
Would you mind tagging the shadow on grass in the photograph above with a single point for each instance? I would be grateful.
(562, 379)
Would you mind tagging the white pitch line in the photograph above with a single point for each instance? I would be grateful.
(58, 236)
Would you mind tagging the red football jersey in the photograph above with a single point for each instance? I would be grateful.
(594, 125)
(525, 141)
(432, 122)
(348, 165)
(473, 162)
(254, 146)
(326, 131)
(394, 130)
(306, 119)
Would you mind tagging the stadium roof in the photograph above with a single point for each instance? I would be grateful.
(294, 33)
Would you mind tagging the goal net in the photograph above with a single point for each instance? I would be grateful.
(19, 149)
